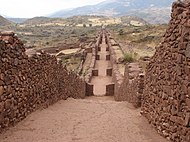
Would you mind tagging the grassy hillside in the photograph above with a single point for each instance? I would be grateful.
(139, 40)
(81, 21)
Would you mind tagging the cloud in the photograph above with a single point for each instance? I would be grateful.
(32, 8)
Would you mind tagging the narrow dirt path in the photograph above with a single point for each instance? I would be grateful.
(102, 79)
(95, 119)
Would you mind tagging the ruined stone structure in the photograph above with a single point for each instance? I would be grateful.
(128, 87)
(163, 93)
(131, 89)
(166, 99)
(90, 72)
(28, 83)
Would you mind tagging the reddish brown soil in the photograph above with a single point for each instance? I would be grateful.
(95, 119)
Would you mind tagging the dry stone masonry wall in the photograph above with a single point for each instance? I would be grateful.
(166, 99)
(28, 83)
(94, 51)
(128, 87)
(88, 76)
(131, 89)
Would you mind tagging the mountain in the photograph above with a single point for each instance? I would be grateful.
(37, 20)
(4, 21)
(17, 20)
(124, 7)
(153, 15)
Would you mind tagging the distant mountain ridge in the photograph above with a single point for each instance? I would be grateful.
(124, 7)
(4, 21)
(38, 20)
(17, 20)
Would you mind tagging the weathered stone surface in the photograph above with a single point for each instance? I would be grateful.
(166, 97)
(130, 86)
(187, 120)
(187, 52)
(1, 107)
(94, 57)
(28, 83)
(1, 90)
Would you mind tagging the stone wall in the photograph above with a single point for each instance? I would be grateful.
(131, 89)
(91, 69)
(128, 87)
(28, 83)
(94, 50)
(89, 75)
(117, 77)
(166, 98)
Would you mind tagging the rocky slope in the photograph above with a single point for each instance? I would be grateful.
(148, 9)
(4, 21)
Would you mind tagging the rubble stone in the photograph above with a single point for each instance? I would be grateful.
(166, 92)
(28, 83)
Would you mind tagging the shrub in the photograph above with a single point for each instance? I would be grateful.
(121, 32)
(128, 57)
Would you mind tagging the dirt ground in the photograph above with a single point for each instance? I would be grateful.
(94, 119)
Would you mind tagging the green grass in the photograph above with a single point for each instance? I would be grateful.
(129, 58)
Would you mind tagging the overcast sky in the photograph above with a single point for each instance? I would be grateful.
(32, 8)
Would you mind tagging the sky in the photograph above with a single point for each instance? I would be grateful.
(32, 8)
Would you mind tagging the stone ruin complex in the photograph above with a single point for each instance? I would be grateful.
(163, 91)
